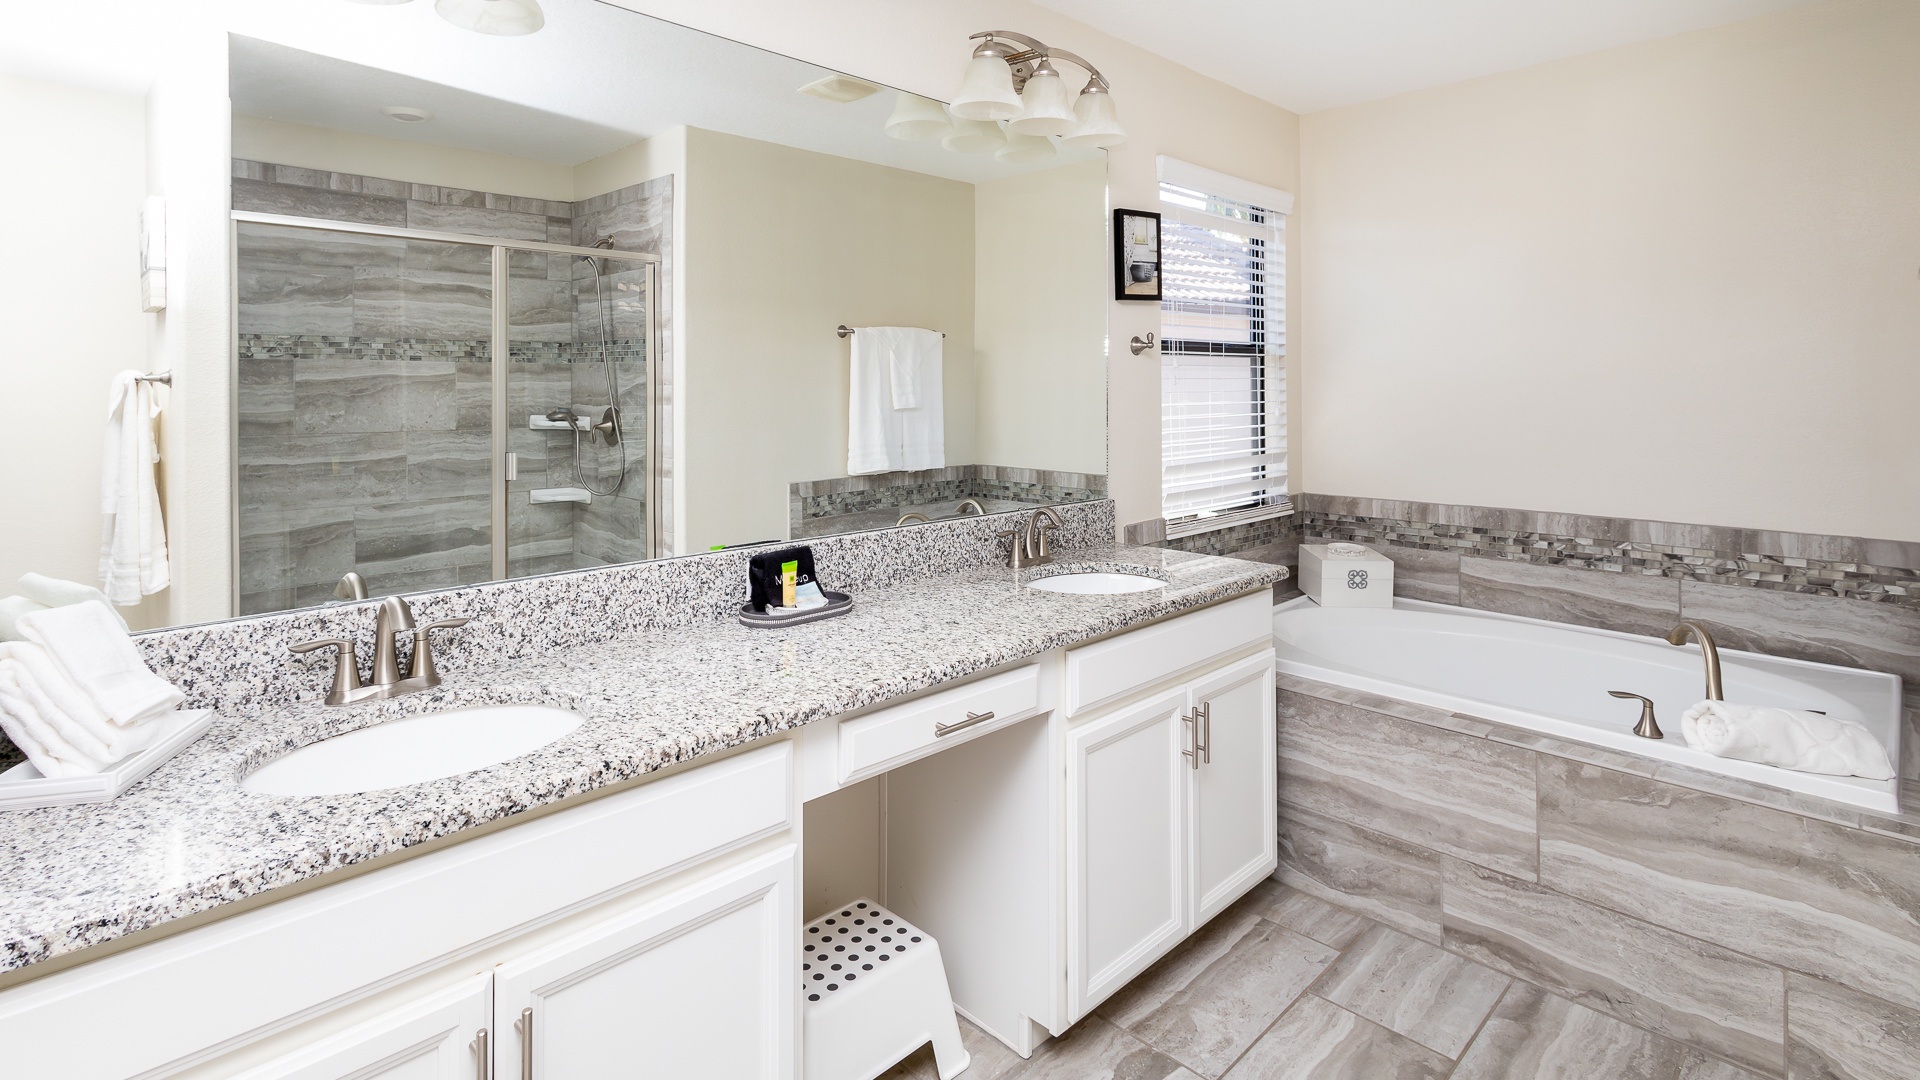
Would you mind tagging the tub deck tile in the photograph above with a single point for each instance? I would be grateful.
(1466, 796)
(1631, 603)
(1395, 882)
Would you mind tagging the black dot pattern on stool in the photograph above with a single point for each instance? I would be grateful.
(839, 944)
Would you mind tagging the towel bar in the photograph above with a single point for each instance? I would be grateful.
(846, 331)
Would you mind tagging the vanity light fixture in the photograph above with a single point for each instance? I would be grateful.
(974, 137)
(1012, 78)
(916, 118)
(503, 18)
(1026, 149)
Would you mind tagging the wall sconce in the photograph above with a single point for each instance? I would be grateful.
(1011, 79)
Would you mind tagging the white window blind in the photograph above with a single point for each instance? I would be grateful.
(1222, 353)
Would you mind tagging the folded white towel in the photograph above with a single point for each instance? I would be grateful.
(133, 538)
(873, 424)
(94, 652)
(43, 744)
(58, 592)
(1788, 738)
(68, 709)
(918, 397)
(11, 608)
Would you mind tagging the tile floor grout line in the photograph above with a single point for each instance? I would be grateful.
(1291, 1005)
(1484, 1021)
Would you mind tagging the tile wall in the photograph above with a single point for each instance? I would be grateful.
(875, 501)
(365, 383)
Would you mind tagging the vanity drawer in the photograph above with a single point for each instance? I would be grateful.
(1110, 669)
(882, 740)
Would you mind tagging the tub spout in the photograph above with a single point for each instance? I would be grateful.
(1709, 653)
(1648, 727)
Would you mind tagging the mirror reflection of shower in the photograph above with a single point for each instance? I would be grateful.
(584, 428)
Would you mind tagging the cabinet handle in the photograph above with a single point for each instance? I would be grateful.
(485, 1069)
(1206, 732)
(1193, 718)
(943, 730)
(526, 1043)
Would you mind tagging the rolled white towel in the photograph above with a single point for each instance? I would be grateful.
(1789, 738)
(43, 744)
(59, 592)
(94, 652)
(68, 709)
(11, 608)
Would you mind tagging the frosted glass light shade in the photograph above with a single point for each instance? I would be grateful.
(1045, 109)
(1099, 122)
(975, 137)
(504, 18)
(916, 118)
(987, 91)
(1026, 149)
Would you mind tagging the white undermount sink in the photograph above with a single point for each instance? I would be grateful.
(413, 751)
(1085, 584)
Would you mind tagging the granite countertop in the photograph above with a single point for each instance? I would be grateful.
(188, 838)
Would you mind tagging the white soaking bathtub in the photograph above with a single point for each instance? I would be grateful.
(1553, 678)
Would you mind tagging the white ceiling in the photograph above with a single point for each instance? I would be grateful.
(595, 79)
(1307, 55)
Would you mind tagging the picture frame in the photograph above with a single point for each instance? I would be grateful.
(1136, 255)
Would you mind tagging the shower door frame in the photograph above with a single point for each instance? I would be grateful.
(500, 369)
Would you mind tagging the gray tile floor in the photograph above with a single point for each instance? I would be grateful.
(1283, 986)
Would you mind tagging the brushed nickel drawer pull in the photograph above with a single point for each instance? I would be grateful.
(942, 730)
(1206, 732)
(484, 1072)
(1193, 718)
(526, 1043)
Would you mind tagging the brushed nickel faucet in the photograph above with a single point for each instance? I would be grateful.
(1029, 543)
(1709, 652)
(975, 503)
(909, 518)
(391, 678)
(1648, 727)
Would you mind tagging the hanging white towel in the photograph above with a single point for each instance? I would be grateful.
(1788, 738)
(133, 538)
(896, 416)
(101, 660)
(873, 424)
(58, 592)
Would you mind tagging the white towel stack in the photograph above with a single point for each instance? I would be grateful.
(75, 695)
(896, 415)
(1788, 738)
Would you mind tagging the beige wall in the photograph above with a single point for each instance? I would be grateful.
(1671, 281)
(1168, 109)
(70, 305)
(259, 139)
(1040, 318)
(781, 246)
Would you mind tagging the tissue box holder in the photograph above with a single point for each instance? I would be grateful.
(1343, 582)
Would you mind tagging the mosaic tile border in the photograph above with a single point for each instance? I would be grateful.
(355, 349)
(834, 496)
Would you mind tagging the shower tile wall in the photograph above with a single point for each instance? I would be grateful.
(365, 384)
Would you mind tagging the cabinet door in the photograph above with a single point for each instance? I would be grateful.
(436, 1038)
(1231, 806)
(703, 982)
(1126, 846)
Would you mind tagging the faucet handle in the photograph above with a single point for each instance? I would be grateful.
(346, 666)
(1648, 727)
(423, 649)
(1041, 550)
(1017, 555)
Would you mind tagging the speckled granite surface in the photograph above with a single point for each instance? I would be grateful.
(188, 838)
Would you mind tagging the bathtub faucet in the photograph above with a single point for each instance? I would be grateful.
(1709, 652)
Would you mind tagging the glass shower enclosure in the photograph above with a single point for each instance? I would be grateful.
(432, 409)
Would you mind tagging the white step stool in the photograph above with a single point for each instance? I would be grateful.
(875, 992)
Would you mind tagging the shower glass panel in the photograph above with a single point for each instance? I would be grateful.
(578, 424)
(365, 413)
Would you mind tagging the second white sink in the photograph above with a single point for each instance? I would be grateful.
(413, 751)
(1097, 583)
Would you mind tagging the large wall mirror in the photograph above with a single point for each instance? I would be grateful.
(518, 305)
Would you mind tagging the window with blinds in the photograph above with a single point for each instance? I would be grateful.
(1222, 346)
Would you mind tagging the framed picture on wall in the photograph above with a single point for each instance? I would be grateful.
(1136, 255)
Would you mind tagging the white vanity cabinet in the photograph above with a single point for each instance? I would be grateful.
(442, 1036)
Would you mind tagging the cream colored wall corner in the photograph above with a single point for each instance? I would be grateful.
(70, 302)
(1040, 316)
(188, 156)
(764, 402)
(1674, 281)
(259, 139)
(1167, 108)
